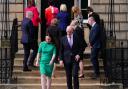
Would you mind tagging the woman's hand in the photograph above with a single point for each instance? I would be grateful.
(51, 62)
(37, 63)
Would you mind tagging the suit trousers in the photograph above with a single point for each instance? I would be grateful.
(36, 29)
(27, 48)
(72, 68)
(94, 60)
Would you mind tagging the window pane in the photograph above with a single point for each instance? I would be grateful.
(84, 4)
(84, 13)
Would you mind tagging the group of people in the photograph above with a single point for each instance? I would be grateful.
(64, 42)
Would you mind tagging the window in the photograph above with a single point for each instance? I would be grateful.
(83, 4)
(26, 1)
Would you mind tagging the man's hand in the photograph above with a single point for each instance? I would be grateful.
(77, 57)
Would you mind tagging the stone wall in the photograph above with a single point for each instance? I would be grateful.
(15, 10)
(121, 16)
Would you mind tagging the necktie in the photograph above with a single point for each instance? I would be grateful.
(70, 41)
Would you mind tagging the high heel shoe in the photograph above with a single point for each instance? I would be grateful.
(81, 76)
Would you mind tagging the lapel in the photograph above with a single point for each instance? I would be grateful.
(92, 30)
(74, 40)
(94, 27)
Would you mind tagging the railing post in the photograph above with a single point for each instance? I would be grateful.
(122, 64)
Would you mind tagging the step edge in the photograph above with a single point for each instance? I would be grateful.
(64, 84)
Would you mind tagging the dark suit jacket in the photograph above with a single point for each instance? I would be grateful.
(94, 37)
(66, 52)
(27, 31)
(80, 33)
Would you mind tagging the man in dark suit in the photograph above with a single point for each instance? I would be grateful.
(94, 14)
(95, 44)
(70, 52)
(28, 40)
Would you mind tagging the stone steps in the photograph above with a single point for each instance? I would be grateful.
(31, 80)
(61, 73)
(36, 80)
(87, 64)
(61, 86)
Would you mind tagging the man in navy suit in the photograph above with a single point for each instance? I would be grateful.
(95, 44)
(70, 52)
(28, 40)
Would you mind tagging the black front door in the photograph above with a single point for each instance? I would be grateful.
(44, 5)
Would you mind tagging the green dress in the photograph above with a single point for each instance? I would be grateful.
(47, 50)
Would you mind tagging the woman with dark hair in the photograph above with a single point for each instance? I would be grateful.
(54, 32)
(45, 59)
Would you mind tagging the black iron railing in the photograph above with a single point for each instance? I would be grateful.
(8, 42)
(8, 48)
(116, 52)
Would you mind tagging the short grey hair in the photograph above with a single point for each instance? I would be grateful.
(29, 14)
(63, 7)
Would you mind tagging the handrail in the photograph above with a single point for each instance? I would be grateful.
(8, 50)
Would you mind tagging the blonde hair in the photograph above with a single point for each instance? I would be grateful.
(75, 9)
(63, 7)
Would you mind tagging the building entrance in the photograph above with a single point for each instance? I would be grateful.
(44, 5)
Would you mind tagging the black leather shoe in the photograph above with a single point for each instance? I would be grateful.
(26, 69)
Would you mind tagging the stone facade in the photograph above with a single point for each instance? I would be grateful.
(121, 15)
(99, 6)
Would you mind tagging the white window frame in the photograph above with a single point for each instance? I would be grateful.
(89, 3)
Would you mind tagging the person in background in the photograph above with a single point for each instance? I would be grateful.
(54, 32)
(94, 14)
(80, 33)
(28, 39)
(63, 18)
(70, 53)
(78, 23)
(78, 15)
(94, 44)
(50, 12)
(45, 59)
(35, 20)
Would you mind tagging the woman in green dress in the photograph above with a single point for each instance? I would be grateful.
(45, 58)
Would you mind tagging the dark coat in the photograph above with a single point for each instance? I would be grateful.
(63, 18)
(80, 33)
(27, 31)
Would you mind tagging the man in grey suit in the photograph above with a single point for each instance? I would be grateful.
(95, 44)
(70, 52)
